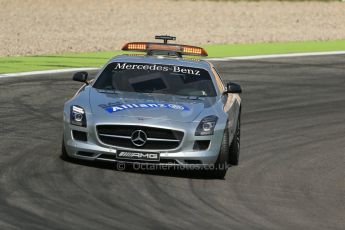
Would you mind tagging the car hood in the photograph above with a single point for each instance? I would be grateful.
(159, 106)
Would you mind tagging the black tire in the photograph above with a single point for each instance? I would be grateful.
(221, 165)
(234, 151)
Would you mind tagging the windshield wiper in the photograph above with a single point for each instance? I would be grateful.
(107, 91)
(192, 97)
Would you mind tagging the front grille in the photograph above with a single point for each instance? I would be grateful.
(157, 138)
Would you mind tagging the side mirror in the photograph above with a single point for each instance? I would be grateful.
(233, 88)
(81, 76)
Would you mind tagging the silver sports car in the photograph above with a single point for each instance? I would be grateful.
(157, 108)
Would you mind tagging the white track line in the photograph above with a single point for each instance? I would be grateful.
(277, 56)
(35, 73)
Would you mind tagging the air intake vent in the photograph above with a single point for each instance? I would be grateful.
(79, 136)
(201, 145)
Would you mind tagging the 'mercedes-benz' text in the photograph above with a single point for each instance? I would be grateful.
(155, 67)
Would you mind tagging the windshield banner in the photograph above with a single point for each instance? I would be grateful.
(155, 67)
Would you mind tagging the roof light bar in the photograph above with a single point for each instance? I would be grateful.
(171, 49)
(181, 49)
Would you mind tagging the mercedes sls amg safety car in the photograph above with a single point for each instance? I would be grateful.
(155, 108)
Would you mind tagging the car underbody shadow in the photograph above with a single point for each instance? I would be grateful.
(149, 169)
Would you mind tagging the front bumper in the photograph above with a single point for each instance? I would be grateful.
(94, 149)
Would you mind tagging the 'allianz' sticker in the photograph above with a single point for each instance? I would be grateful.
(117, 107)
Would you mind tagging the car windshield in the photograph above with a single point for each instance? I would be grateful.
(155, 78)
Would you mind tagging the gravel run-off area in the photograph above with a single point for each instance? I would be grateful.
(30, 27)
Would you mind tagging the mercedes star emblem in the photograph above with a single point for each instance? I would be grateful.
(139, 138)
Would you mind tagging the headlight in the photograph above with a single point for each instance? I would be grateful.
(206, 126)
(78, 116)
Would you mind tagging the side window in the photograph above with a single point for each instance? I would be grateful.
(219, 81)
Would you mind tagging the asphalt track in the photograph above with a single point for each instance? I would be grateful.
(291, 173)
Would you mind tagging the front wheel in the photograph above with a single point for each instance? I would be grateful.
(234, 151)
(221, 165)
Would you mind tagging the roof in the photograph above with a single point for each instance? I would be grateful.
(162, 60)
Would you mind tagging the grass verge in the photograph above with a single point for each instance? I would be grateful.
(96, 59)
